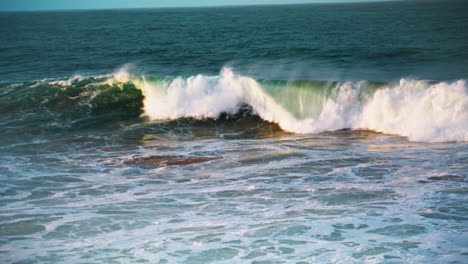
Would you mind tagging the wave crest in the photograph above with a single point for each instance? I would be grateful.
(418, 110)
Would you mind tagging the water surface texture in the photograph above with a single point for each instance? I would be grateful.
(321, 133)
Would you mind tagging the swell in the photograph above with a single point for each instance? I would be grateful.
(73, 103)
(419, 110)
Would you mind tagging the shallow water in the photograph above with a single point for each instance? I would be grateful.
(341, 197)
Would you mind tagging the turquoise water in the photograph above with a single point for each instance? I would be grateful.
(276, 134)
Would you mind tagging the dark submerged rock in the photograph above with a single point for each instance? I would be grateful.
(163, 161)
(447, 178)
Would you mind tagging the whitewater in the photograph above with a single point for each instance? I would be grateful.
(419, 110)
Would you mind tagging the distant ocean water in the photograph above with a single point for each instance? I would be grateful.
(319, 133)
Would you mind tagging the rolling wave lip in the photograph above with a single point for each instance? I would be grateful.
(424, 111)
(419, 110)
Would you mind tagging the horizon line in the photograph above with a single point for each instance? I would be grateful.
(195, 7)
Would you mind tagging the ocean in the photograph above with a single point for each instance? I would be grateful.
(315, 133)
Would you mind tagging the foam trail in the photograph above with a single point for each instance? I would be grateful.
(414, 109)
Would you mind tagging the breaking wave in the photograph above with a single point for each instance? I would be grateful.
(419, 110)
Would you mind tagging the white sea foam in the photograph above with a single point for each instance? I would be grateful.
(67, 82)
(415, 109)
(422, 112)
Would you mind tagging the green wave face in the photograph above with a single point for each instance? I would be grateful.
(306, 99)
(88, 96)
(70, 104)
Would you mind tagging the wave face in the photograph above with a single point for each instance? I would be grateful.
(46, 105)
(419, 110)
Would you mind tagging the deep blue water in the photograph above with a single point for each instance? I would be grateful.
(363, 41)
(318, 133)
